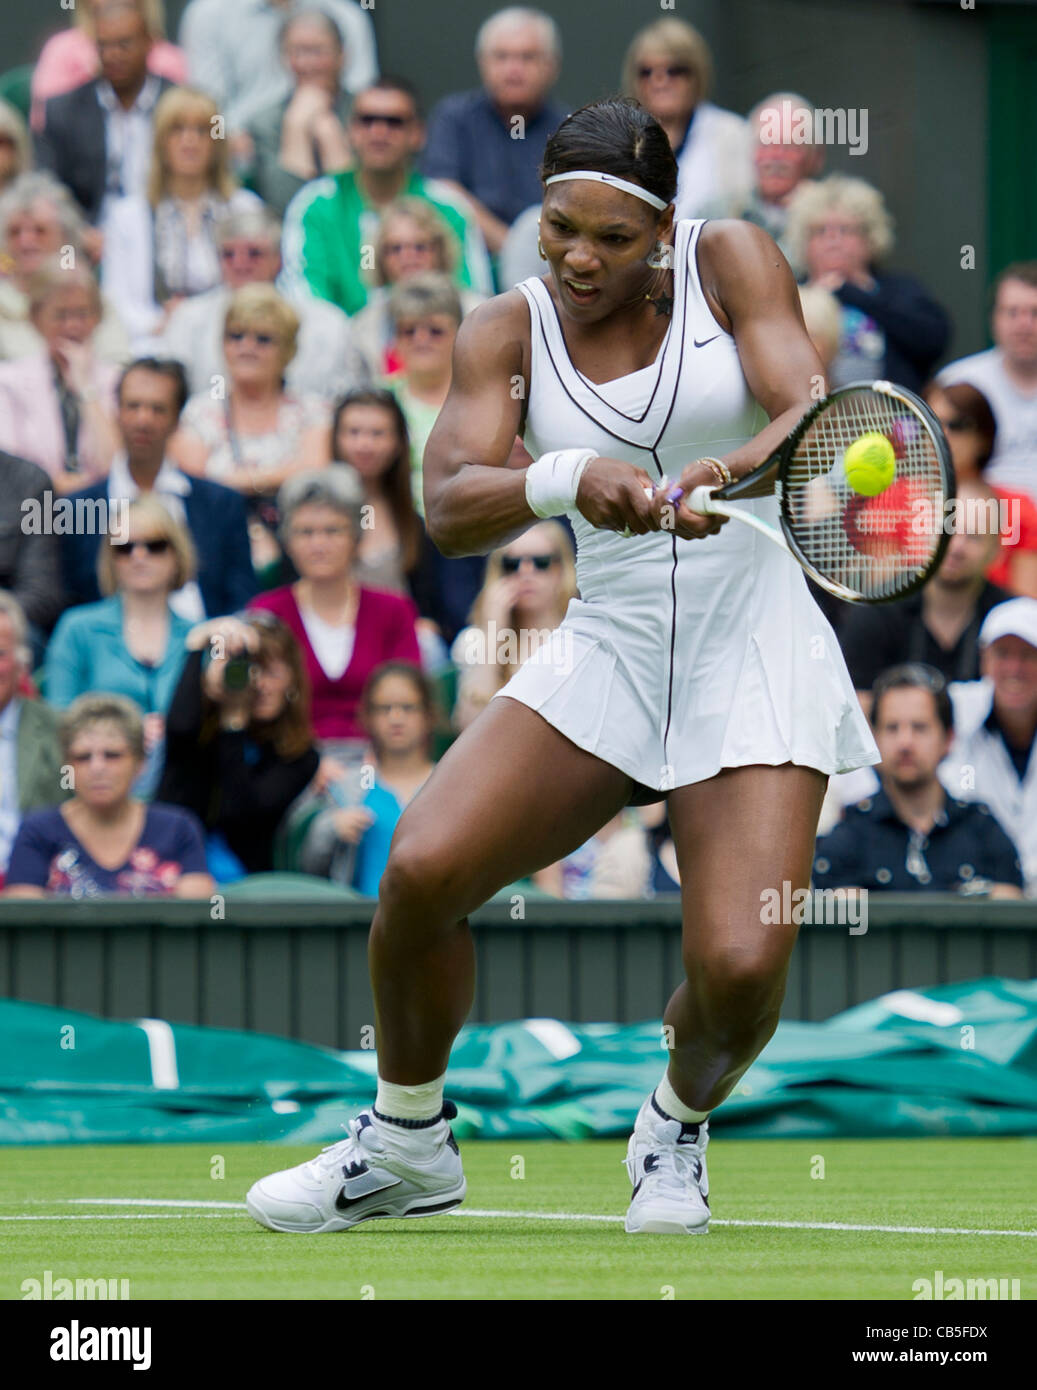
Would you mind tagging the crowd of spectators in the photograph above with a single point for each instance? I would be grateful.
(232, 270)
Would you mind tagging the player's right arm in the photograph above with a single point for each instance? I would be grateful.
(474, 501)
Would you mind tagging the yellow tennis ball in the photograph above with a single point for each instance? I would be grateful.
(870, 464)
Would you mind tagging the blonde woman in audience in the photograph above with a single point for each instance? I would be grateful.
(669, 69)
(15, 152)
(57, 406)
(39, 220)
(130, 643)
(103, 840)
(524, 597)
(163, 248)
(248, 432)
(70, 58)
(412, 238)
(840, 229)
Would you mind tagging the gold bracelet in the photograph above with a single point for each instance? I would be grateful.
(719, 469)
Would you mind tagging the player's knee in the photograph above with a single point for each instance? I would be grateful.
(418, 874)
(742, 983)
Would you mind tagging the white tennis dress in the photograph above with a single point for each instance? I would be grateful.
(680, 657)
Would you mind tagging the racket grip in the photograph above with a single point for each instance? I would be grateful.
(701, 499)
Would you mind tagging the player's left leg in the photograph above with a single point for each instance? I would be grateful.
(737, 835)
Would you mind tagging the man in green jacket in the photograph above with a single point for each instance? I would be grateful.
(331, 224)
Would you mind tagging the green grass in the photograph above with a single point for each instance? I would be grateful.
(981, 1183)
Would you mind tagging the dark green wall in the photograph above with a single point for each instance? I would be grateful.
(921, 69)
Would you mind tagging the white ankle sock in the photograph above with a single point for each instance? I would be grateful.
(668, 1100)
(414, 1106)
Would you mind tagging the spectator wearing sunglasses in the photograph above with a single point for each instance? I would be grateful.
(131, 643)
(911, 836)
(331, 220)
(412, 239)
(149, 398)
(669, 69)
(253, 434)
(327, 362)
(472, 142)
(426, 314)
(971, 430)
(524, 597)
(160, 247)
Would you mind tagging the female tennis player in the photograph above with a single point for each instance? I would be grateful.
(693, 667)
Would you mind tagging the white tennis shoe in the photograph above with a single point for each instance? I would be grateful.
(666, 1160)
(380, 1171)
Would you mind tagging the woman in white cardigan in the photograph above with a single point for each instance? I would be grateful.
(669, 69)
(161, 248)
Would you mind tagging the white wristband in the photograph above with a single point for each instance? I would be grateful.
(552, 481)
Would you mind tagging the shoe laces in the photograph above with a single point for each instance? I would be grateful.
(675, 1168)
(343, 1151)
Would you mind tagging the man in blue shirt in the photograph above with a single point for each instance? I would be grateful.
(911, 836)
(489, 143)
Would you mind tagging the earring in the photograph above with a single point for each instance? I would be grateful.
(540, 244)
(662, 257)
(291, 696)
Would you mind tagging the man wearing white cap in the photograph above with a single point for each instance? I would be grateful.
(995, 719)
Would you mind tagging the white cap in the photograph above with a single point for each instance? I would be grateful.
(1015, 618)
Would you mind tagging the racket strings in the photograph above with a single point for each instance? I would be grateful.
(870, 548)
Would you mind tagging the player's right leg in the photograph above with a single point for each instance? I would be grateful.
(509, 797)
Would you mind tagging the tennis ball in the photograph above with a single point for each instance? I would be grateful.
(870, 464)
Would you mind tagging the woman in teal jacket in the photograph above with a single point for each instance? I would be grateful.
(132, 642)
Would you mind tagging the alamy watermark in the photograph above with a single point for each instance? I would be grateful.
(785, 123)
(973, 516)
(828, 907)
(52, 515)
(508, 646)
(54, 1287)
(939, 1287)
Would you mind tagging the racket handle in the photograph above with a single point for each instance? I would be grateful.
(701, 500)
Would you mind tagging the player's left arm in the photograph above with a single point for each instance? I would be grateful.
(752, 293)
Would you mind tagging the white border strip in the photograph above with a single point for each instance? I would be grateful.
(162, 1053)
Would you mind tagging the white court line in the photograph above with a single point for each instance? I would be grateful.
(128, 1216)
(536, 1216)
(146, 1202)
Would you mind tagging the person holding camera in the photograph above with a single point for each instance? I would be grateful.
(239, 740)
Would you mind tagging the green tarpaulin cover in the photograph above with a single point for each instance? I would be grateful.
(956, 1059)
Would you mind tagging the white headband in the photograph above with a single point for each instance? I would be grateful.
(613, 182)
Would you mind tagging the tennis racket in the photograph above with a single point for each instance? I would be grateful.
(864, 549)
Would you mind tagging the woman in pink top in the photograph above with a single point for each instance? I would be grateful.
(69, 59)
(57, 406)
(345, 629)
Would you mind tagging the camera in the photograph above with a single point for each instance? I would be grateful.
(238, 673)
